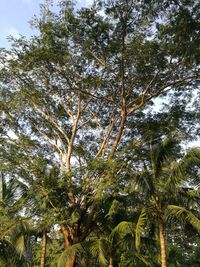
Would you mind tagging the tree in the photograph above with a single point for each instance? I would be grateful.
(15, 230)
(163, 181)
(73, 95)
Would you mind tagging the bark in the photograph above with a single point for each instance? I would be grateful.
(43, 249)
(119, 134)
(71, 261)
(107, 136)
(111, 262)
(65, 236)
(1, 188)
(70, 148)
(73, 136)
(123, 97)
(29, 254)
(162, 244)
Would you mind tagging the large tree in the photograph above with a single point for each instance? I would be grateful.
(79, 91)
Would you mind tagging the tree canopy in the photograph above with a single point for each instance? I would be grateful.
(94, 111)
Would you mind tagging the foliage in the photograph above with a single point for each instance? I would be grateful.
(86, 105)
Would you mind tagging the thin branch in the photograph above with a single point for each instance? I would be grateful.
(54, 145)
(159, 91)
(149, 85)
(51, 120)
(107, 136)
(71, 141)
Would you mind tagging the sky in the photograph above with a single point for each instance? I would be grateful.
(15, 15)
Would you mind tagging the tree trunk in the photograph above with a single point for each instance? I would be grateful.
(29, 254)
(111, 262)
(71, 261)
(162, 244)
(43, 248)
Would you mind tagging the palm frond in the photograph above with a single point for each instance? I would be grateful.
(69, 254)
(143, 259)
(98, 248)
(176, 175)
(140, 228)
(160, 153)
(192, 157)
(183, 214)
(195, 193)
(144, 180)
(178, 170)
(61, 262)
(20, 245)
(21, 227)
(123, 228)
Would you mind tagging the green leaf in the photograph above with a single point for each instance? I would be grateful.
(123, 228)
(99, 247)
(20, 245)
(140, 228)
(183, 214)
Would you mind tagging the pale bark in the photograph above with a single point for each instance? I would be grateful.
(70, 148)
(107, 136)
(111, 262)
(162, 244)
(119, 134)
(43, 249)
(71, 141)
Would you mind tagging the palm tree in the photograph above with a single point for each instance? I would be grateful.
(162, 180)
(14, 230)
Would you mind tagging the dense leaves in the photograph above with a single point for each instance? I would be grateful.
(96, 110)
